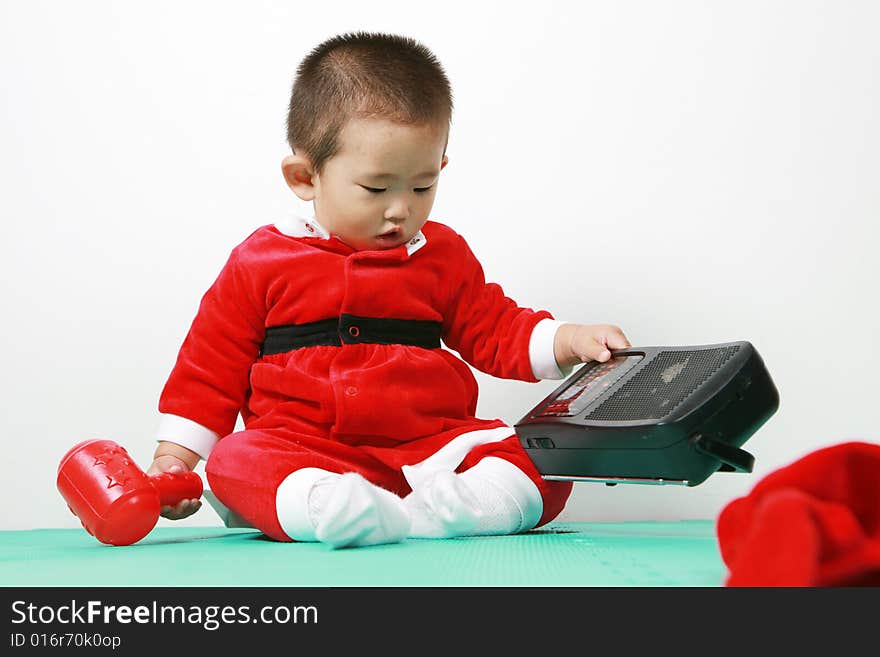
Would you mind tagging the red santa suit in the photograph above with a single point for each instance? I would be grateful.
(333, 359)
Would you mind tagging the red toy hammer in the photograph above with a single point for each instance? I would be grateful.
(113, 498)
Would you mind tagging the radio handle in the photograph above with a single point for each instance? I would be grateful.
(733, 459)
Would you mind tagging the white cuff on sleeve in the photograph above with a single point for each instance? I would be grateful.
(186, 433)
(543, 359)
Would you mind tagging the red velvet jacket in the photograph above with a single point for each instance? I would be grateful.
(356, 393)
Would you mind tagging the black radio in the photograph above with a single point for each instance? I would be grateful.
(653, 415)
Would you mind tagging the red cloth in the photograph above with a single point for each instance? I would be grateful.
(815, 522)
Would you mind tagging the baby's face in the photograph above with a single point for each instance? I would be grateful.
(378, 190)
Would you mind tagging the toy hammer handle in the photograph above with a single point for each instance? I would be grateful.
(176, 486)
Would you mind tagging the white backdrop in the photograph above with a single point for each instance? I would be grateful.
(694, 172)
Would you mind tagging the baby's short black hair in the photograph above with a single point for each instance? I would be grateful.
(363, 75)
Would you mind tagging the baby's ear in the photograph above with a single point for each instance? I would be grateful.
(298, 174)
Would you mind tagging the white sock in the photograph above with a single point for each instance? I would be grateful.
(443, 507)
(340, 510)
(353, 512)
(492, 497)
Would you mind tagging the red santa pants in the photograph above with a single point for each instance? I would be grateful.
(245, 469)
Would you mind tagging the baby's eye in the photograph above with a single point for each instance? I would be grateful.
(374, 190)
(423, 189)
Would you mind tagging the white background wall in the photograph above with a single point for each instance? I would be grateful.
(695, 172)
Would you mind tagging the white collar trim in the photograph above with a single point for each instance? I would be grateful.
(295, 226)
(417, 242)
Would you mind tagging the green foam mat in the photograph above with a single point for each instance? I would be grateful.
(572, 554)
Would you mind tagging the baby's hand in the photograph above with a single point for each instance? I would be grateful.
(184, 508)
(579, 343)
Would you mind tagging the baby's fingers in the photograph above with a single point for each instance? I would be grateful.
(181, 510)
(596, 342)
(589, 348)
(615, 339)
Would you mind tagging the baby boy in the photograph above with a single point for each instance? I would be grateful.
(326, 333)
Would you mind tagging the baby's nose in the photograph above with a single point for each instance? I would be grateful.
(397, 212)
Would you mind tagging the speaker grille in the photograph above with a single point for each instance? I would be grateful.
(659, 387)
